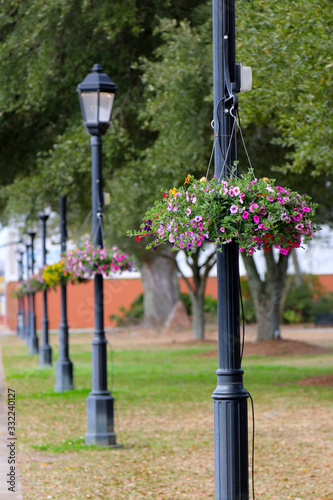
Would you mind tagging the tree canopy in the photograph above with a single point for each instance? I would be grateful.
(159, 54)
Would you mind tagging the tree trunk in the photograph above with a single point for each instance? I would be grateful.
(161, 288)
(298, 273)
(198, 317)
(267, 295)
(197, 290)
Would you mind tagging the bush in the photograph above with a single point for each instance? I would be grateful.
(304, 301)
(249, 311)
(323, 304)
(132, 315)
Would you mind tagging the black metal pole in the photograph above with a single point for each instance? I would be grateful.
(45, 350)
(33, 341)
(27, 318)
(64, 367)
(230, 397)
(20, 312)
(100, 411)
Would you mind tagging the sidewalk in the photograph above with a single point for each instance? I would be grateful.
(6, 447)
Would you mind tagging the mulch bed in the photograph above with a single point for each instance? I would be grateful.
(321, 380)
(282, 347)
(279, 347)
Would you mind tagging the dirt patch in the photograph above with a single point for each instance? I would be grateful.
(321, 380)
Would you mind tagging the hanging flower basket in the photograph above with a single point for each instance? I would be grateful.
(254, 212)
(77, 266)
(85, 263)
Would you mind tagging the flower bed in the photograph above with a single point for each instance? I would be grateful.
(254, 212)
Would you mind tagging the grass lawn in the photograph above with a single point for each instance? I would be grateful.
(164, 419)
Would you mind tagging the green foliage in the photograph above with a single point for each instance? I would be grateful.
(66, 445)
(323, 304)
(289, 46)
(133, 315)
(249, 311)
(186, 298)
(161, 122)
(299, 302)
(304, 301)
(209, 307)
(47, 48)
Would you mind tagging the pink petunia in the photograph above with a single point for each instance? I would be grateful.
(233, 209)
(284, 251)
(256, 219)
(245, 214)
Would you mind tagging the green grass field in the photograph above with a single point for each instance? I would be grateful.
(164, 419)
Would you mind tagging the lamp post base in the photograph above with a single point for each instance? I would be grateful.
(64, 376)
(100, 420)
(45, 355)
(26, 336)
(33, 345)
(231, 436)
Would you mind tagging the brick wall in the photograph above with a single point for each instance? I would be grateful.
(80, 300)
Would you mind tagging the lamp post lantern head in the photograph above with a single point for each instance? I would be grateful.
(43, 216)
(96, 95)
(32, 235)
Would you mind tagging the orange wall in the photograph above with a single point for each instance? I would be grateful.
(80, 301)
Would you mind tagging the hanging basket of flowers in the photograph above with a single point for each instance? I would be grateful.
(256, 213)
(77, 266)
(85, 263)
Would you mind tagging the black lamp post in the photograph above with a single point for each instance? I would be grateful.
(33, 341)
(27, 317)
(20, 312)
(45, 350)
(230, 397)
(64, 366)
(96, 94)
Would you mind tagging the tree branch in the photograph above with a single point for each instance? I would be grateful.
(251, 269)
(187, 281)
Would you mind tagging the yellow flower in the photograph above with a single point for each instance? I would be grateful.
(173, 191)
(203, 179)
(188, 178)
